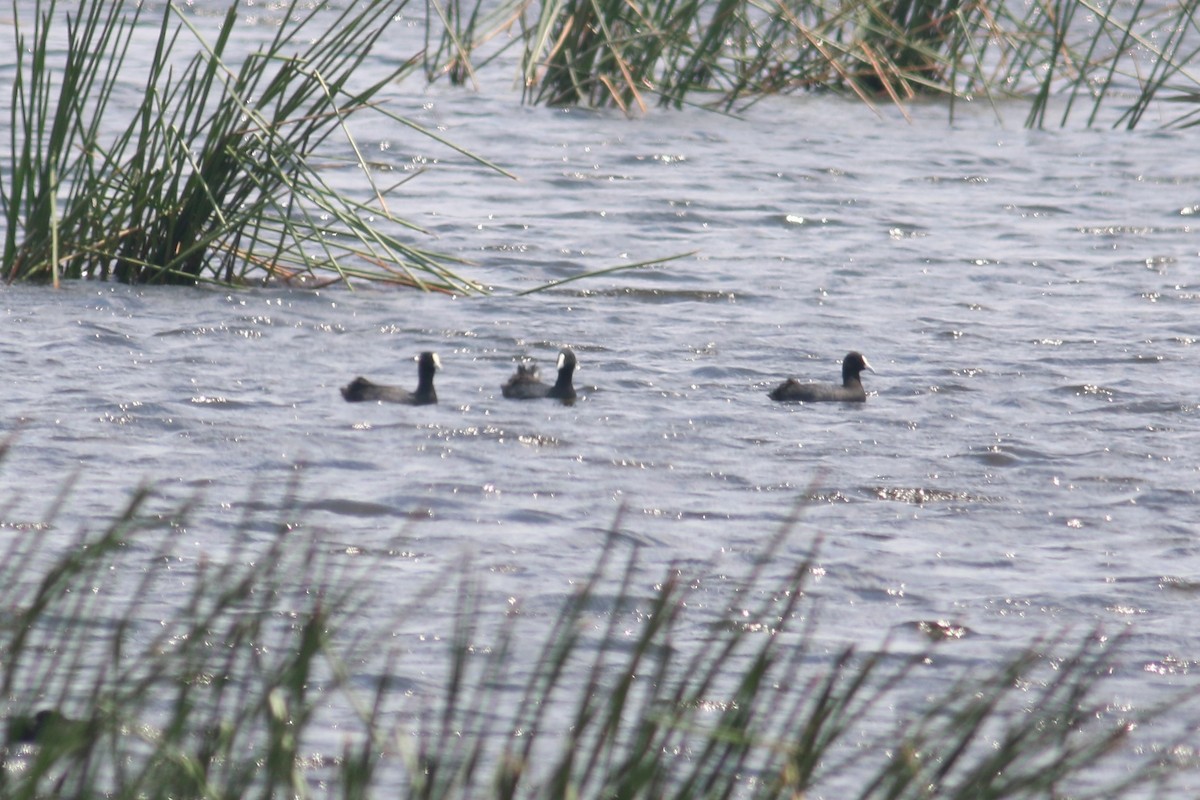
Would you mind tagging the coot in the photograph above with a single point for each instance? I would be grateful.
(526, 384)
(362, 390)
(851, 390)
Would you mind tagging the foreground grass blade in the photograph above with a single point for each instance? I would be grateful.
(133, 672)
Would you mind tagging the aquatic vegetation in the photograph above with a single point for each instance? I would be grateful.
(206, 169)
(132, 671)
(1069, 57)
(212, 178)
(216, 172)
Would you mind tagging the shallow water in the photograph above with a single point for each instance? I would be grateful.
(1026, 462)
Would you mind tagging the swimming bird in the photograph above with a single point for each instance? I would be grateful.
(851, 390)
(48, 726)
(526, 384)
(362, 390)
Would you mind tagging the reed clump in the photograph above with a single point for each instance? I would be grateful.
(1068, 57)
(210, 175)
(130, 672)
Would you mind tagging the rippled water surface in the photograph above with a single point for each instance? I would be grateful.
(1026, 461)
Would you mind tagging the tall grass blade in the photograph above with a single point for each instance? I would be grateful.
(603, 271)
(212, 177)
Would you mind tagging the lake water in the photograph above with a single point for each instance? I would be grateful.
(1026, 462)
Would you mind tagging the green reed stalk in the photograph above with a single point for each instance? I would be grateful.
(212, 178)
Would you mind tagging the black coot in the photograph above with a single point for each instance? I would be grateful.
(361, 390)
(526, 384)
(851, 390)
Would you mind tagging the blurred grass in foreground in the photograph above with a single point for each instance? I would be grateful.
(129, 672)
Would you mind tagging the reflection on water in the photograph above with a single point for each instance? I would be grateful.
(1025, 461)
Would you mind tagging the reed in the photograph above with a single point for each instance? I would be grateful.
(211, 176)
(132, 673)
(1067, 57)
